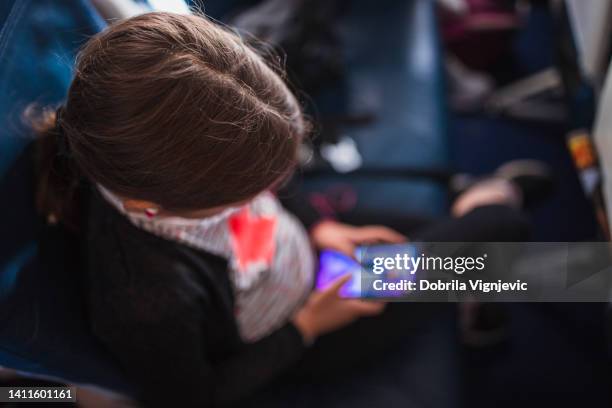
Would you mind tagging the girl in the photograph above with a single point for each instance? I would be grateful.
(172, 136)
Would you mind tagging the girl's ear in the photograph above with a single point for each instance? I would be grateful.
(139, 206)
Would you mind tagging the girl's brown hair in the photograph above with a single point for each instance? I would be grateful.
(172, 109)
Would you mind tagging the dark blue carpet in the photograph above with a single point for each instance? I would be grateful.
(554, 358)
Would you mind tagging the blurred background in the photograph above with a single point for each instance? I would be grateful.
(404, 95)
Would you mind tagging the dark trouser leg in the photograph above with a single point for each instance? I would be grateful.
(491, 223)
(360, 342)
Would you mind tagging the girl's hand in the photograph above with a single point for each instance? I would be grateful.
(326, 311)
(344, 238)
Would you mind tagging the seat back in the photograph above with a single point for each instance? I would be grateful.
(394, 73)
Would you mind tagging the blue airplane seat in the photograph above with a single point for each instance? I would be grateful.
(37, 48)
(43, 327)
(44, 331)
(395, 73)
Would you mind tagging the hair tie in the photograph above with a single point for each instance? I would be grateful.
(63, 149)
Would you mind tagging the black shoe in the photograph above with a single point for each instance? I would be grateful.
(532, 177)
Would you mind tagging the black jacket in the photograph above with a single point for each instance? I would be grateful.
(166, 311)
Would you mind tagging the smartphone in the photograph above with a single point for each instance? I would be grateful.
(333, 265)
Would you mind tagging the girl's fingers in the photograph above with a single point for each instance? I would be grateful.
(346, 247)
(334, 288)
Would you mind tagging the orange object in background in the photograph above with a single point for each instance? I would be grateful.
(582, 150)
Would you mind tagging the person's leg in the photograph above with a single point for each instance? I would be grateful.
(362, 345)
(355, 354)
(487, 211)
(490, 223)
(495, 223)
(361, 342)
